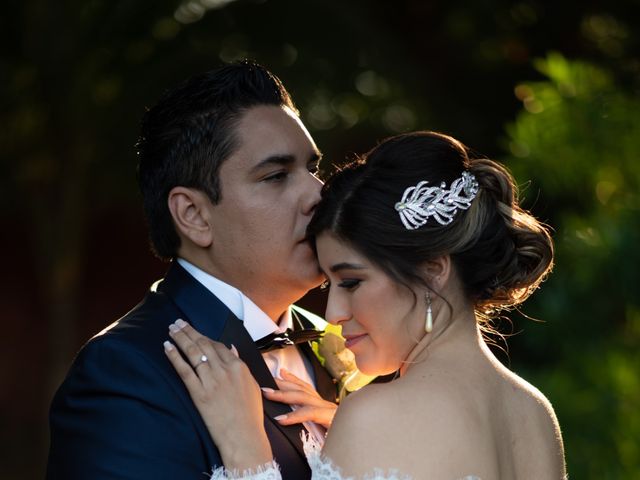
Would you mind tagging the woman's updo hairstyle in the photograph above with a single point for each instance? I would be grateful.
(500, 251)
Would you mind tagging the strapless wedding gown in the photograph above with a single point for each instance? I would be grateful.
(321, 469)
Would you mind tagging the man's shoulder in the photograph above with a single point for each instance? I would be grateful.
(121, 386)
(135, 341)
(142, 331)
(147, 321)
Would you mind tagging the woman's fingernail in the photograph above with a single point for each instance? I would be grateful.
(168, 346)
(181, 323)
(267, 389)
(234, 350)
(280, 417)
(173, 328)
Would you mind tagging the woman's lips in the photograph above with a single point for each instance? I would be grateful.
(351, 340)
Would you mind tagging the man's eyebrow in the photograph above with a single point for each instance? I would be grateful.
(346, 266)
(281, 160)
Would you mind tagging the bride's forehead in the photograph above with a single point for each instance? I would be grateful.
(336, 255)
(331, 246)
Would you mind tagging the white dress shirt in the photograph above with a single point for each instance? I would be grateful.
(259, 325)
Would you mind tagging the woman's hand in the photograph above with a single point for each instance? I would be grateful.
(310, 406)
(226, 395)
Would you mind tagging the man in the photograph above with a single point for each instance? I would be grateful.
(227, 173)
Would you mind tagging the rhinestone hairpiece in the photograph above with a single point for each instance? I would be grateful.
(421, 201)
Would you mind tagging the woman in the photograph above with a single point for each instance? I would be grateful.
(420, 244)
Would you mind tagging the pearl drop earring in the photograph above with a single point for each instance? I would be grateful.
(428, 326)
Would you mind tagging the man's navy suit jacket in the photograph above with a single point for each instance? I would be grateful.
(123, 413)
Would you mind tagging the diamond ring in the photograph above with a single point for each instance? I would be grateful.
(201, 360)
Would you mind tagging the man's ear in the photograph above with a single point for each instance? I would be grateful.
(438, 271)
(190, 215)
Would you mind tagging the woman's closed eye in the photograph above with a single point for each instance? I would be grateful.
(349, 283)
(276, 177)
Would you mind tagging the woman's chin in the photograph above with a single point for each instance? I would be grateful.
(375, 370)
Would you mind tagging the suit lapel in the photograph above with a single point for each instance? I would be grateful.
(235, 333)
(325, 385)
(204, 311)
(212, 318)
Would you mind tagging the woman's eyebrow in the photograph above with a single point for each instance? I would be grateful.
(346, 266)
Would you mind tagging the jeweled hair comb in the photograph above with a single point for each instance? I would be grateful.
(421, 201)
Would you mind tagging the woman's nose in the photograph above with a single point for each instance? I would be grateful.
(338, 310)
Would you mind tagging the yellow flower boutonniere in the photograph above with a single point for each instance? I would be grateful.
(339, 361)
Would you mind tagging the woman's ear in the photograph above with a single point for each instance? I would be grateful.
(190, 212)
(438, 271)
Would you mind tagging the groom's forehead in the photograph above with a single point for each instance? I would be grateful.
(269, 135)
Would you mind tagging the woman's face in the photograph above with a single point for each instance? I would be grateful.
(381, 319)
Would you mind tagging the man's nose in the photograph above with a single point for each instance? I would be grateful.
(311, 194)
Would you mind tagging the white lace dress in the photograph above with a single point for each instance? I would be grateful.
(321, 469)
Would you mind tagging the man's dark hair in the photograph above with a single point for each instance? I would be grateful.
(187, 135)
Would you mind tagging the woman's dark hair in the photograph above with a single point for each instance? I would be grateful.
(500, 252)
(190, 132)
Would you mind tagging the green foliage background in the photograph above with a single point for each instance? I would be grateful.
(578, 139)
(550, 88)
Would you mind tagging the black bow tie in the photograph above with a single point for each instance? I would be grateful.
(286, 338)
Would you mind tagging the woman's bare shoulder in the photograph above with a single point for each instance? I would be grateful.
(535, 427)
(527, 400)
(383, 426)
(359, 434)
(358, 409)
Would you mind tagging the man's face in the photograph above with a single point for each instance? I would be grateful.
(269, 191)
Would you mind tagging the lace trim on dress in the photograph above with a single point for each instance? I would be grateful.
(322, 468)
(268, 471)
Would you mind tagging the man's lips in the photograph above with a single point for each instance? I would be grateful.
(350, 340)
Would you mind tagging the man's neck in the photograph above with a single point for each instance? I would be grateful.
(272, 302)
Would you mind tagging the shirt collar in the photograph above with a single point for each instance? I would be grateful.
(256, 322)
